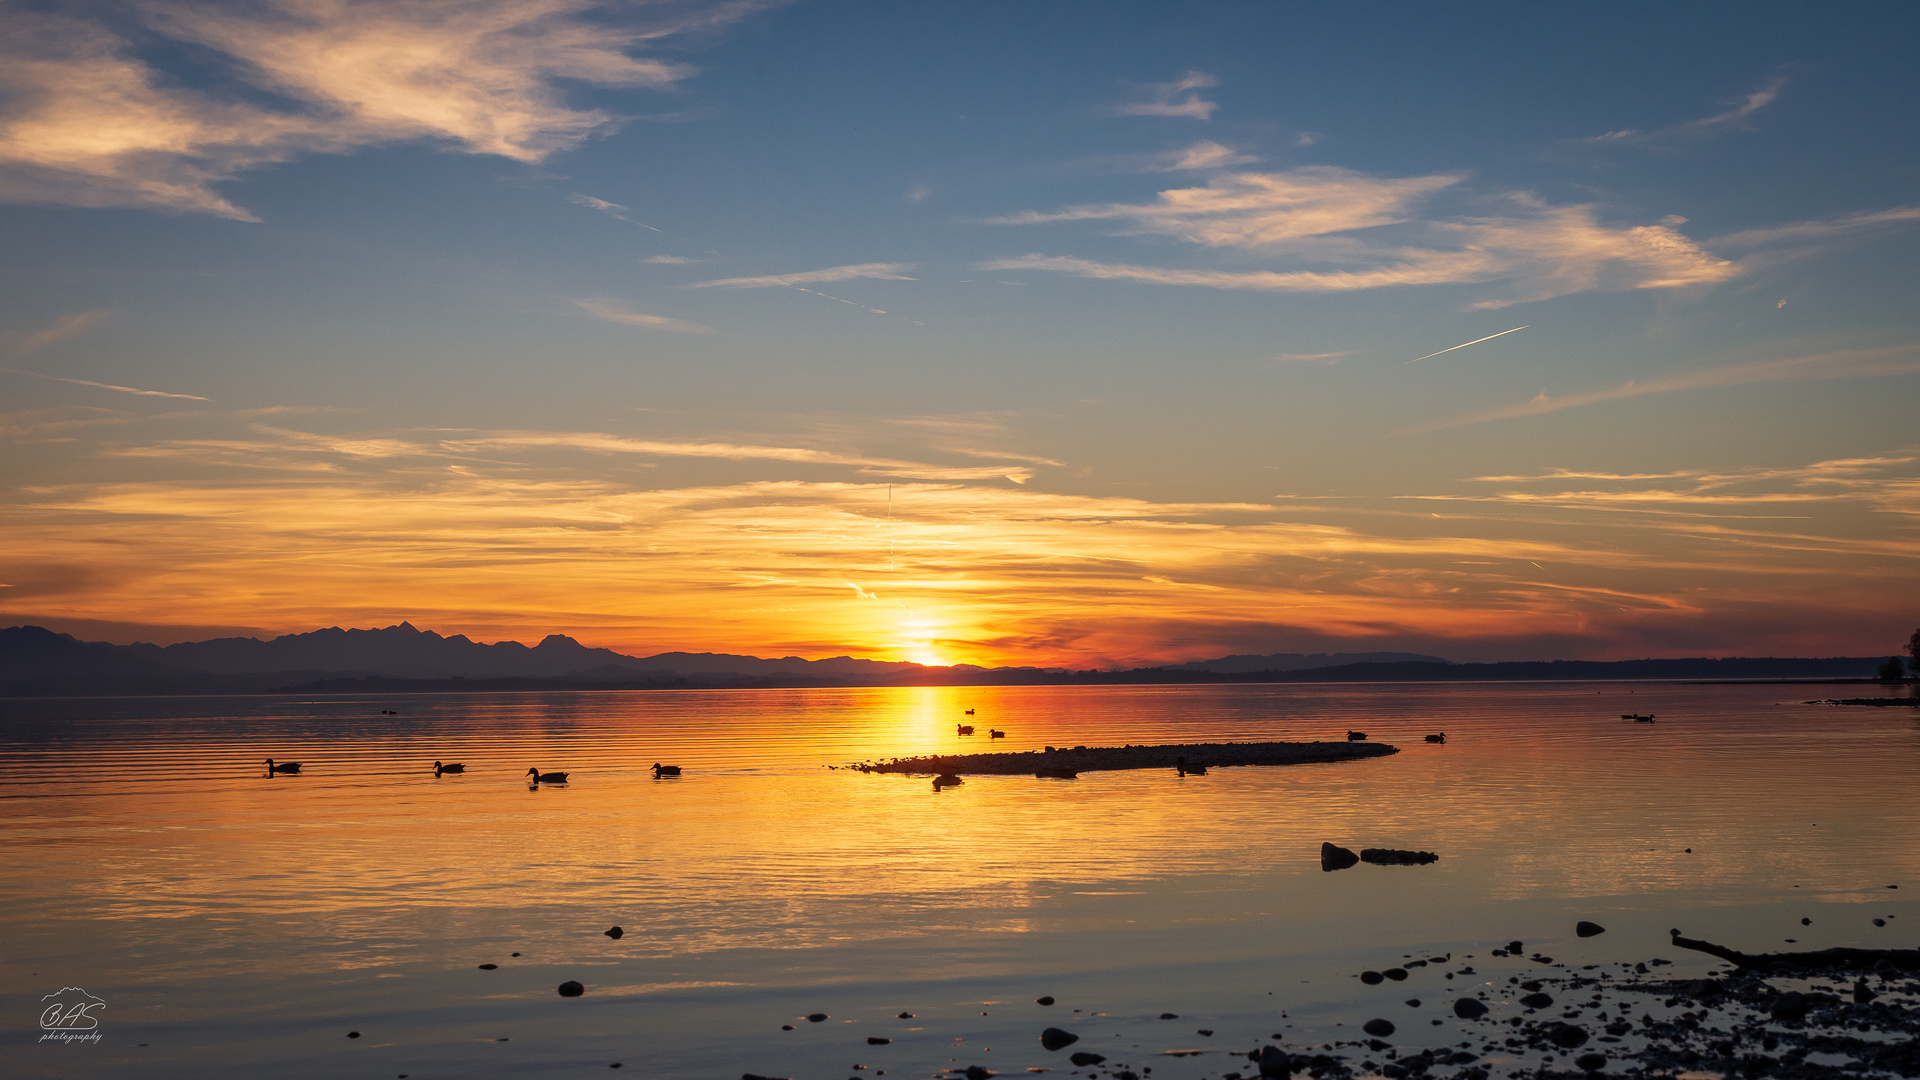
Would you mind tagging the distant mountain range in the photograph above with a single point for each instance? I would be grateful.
(38, 662)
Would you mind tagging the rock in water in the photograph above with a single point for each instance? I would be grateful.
(1590, 1062)
(1396, 974)
(1469, 1009)
(1274, 1062)
(1589, 929)
(1378, 1028)
(1567, 1036)
(616, 933)
(571, 989)
(1789, 1007)
(814, 1018)
(877, 1040)
(1861, 994)
(1372, 978)
(1056, 1039)
(1085, 1058)
(1048, 1000)
(975, 1072)
(1336, 858)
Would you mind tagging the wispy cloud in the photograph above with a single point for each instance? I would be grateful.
(1205, 154)
(666, 260)
(1179, 98)
(1673, 136)
(1859, 363)
(883, 271)
(611, 209)
(1338, 218)
(107, 386)
(1823, 229)
(1311, 358)
(66, 326)
(615, 312)
(98, 124)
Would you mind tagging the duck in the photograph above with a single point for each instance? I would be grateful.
(992, 734)
(969, 712)
(283, 767)
(439, 768)
(660, 770)
(1180, 766)
(946, 779)
(966, 729)
(1356, 736)
(1442, 737)
(547, 777)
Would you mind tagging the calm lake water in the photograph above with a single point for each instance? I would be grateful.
(235, 922)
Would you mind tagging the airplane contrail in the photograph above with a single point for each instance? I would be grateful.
(1475, 341)
(105, 386)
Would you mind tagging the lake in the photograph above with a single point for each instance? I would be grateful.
(235, 922)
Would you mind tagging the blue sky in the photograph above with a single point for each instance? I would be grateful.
(1058, 333)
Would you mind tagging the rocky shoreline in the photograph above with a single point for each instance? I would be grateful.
(1525, 1018)
(1195, 757)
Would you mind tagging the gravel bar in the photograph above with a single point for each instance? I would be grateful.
(1096, 758)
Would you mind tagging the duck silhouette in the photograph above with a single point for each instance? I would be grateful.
(1442, 737)
(660, 770)
(547, 777)
(456, 767)
(1180, 766)
(1356, 736)
(966, 729)
(283, 767)
(992, 734)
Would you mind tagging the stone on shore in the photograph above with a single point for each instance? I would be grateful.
(1469, 1009)
(1057, 1039)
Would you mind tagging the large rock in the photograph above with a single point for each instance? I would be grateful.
(1274, 1061)
(1567, 1036)
(1588, 929)
(1537, 1000)
(571, 989)
(1336, 858)
(1378, 1028)
(1469, 1009)
(1056, 1039)
(1789, 1007)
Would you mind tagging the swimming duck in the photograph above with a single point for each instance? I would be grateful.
(945, 780)
(547, 777)
(660, 770)
(1442, 737)
(966, 729)
(1180, 766)
(439, 768)
(283, 767)
(992, 734)
(1356, 736)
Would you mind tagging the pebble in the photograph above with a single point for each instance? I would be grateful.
(571, 988)
(1048, 1000)
(1879, 922)
(1567, 1036)
(1057, 1039)
(489, 967)
(975, 1072)
(876, 1040)
(1469, 1009)
(1588, 929)
(1372, 978)
(1169, 1016)
(353, 1034)
(1536, 1000)
(906, 1016)
(1378, 1028)
(786, 1027)
(1413, 1003)
(615, 933)
(1085, 1058)
(1591, 1062)
(814, 1018)
(1396, 974)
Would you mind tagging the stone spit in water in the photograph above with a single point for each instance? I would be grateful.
(1056, 1039)
(1396, 857)
(1096, 758)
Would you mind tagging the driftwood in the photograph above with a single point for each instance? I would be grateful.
(1849, 959)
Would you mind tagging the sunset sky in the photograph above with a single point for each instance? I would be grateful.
(1057, 333)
